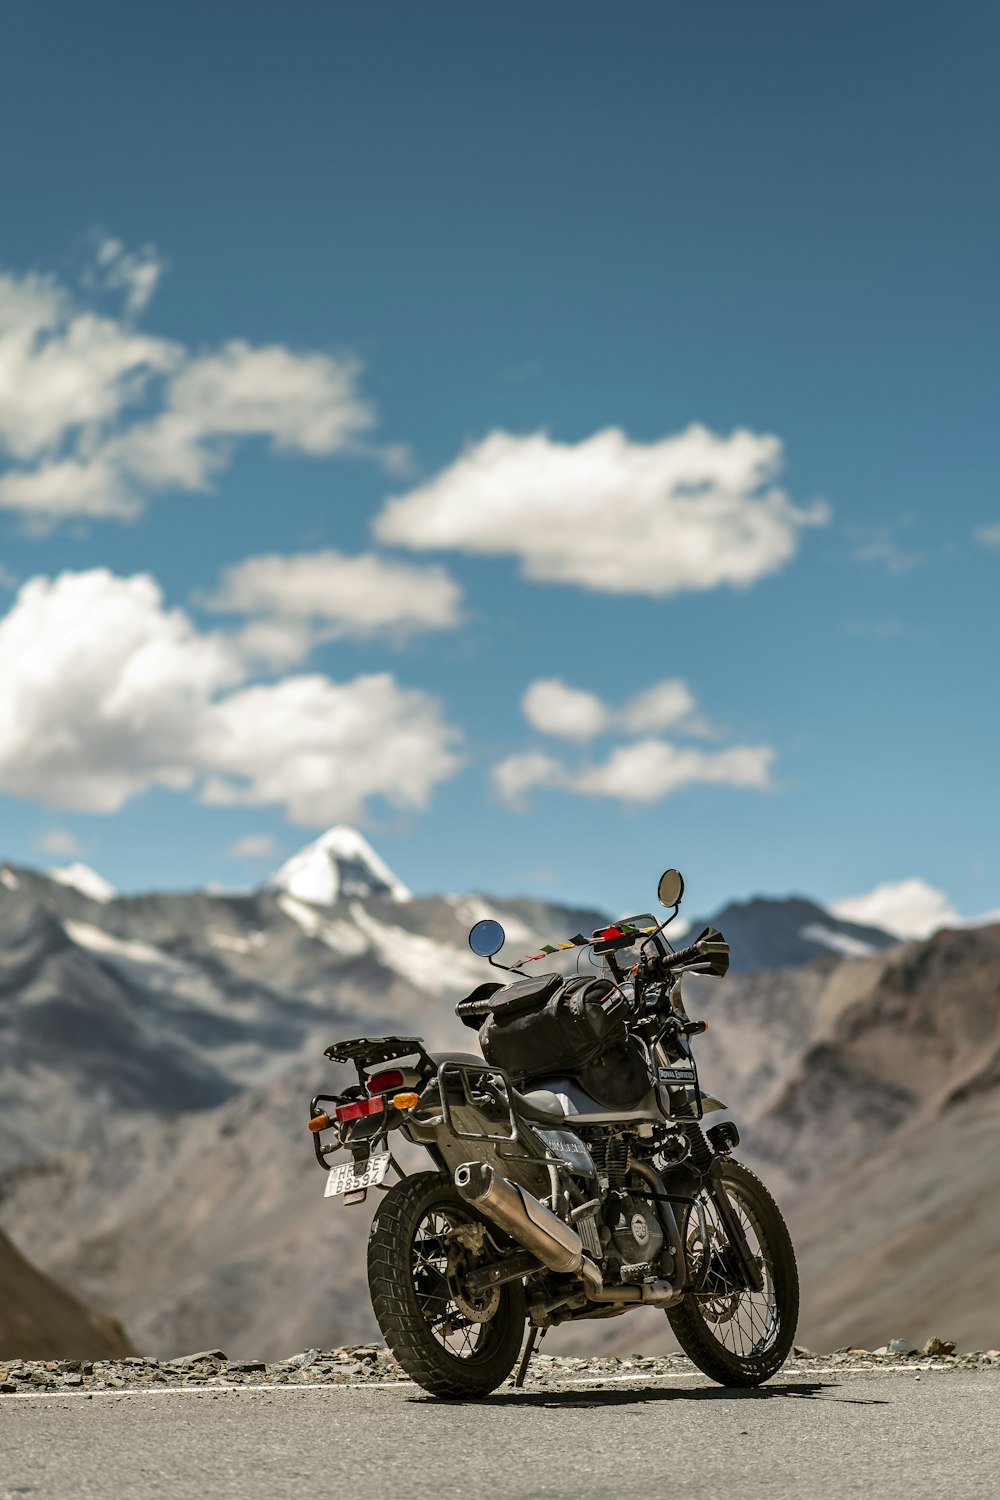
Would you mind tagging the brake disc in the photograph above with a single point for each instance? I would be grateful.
(721, 1303)
(717, 1293)
(478, 1309)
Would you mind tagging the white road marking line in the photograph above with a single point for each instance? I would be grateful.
(392, 1385)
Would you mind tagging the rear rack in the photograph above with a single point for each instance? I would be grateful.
(379, 1049)
(363, 1051)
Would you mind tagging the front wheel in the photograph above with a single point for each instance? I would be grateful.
(734, 1335)
(424, 1241)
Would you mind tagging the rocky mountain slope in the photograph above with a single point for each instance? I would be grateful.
(41, 1320)
(888, 1133)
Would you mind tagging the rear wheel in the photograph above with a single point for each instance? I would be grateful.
(424, 1241)
(734, 1335)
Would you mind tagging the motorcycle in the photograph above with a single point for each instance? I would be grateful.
(573, 1174)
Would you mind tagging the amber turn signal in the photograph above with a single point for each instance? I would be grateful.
(405, 1101)
(320, 1122)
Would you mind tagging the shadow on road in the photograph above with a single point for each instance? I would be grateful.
(636, 1396)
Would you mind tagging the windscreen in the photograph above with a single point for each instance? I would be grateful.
(645, 923)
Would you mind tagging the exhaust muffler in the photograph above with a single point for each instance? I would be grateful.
(527, 1221)
(542, 1232)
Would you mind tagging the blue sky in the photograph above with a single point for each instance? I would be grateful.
(453, 221)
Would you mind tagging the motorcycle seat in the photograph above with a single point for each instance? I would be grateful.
(466, 1058)
(540, 1106)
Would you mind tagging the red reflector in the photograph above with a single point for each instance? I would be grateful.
(358, 1108)
(381, 1083)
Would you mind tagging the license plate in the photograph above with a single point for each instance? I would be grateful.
(343, 1179)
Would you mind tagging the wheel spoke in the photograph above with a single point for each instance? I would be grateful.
(433, 1256)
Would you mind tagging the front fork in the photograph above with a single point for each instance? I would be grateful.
(710, 1167)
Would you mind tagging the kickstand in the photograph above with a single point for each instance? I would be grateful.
(529, 1349)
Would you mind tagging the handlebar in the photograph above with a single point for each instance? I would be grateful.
(681, 956)
(687, 1028)
(709, 951)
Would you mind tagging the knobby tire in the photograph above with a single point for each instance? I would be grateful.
(691, 1320)
(396, 1302)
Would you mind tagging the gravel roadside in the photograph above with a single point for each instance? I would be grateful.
(366, 1364)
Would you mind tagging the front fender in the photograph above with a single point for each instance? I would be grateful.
(709, 1103)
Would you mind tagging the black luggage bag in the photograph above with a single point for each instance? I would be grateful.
(549, 1028)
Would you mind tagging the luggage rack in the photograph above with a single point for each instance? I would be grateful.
(378, 1049)
(364, 1052)
(464, 1074)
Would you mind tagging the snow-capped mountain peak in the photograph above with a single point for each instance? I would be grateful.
(85, 880)
(339, 864)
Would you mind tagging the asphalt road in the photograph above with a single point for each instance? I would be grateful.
(886, 1435)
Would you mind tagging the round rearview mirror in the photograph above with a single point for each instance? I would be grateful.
(486, 938)
(670, 889)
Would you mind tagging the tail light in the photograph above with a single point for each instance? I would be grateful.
(358, 1108)
(382, 1083)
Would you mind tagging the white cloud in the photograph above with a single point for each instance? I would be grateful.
(62, 487)
(305, 403)
(101, 688)
(518, 775)
(275, 643)
(652, 769)
(106, 693)
(989, 535)
(691, 511)
(60, 841)
(134, 273)
(643, 772)
(339, 595)
(321, 749)
(906, 908)
(70, 381)
(554, 708)
(62, 368)
(253, 846)
(666, 705)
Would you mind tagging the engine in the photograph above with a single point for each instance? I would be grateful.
(635, 1238)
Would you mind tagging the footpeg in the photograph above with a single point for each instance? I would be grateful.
(642, 1270)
